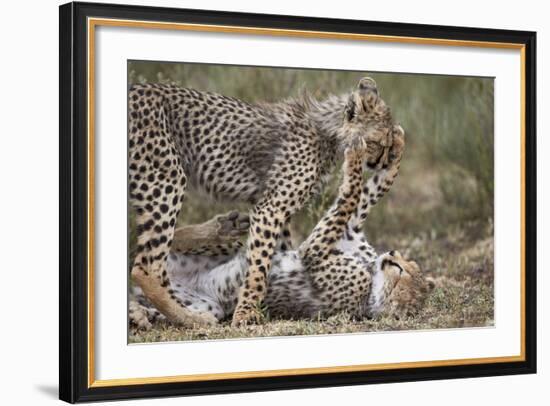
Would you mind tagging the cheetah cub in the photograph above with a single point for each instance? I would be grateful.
(334, 270)
(273, 155)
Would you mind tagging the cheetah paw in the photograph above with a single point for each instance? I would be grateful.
(245, 318)
(204, 319)
(138, 317)
(233, 224)
(398, 146)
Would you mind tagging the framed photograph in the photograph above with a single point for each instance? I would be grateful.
(258, 202)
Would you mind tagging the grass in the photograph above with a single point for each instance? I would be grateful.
(461, 265)
(439, 212)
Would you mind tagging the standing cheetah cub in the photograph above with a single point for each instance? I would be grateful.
(271, 155)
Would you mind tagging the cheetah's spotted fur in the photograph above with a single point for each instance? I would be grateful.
(272, 155)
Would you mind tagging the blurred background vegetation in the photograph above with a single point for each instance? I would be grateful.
(446, 175)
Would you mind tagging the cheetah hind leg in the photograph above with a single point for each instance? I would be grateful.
(155, 228)
(218, 236)
(150, 274)
(157, 288)
(157, 184)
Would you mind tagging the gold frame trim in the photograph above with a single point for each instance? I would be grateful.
(94, 22)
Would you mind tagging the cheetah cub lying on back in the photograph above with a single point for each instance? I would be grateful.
(334, 270)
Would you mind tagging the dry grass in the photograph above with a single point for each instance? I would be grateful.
(463, 297)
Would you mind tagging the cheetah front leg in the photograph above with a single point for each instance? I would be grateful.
(288, 188)
(381, 181)
(265, 228)
(330, 229)
(378, 184)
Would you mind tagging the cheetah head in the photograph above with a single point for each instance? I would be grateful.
(367, 120)
(399, 286)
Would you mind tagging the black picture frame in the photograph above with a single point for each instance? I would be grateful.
(74, 200)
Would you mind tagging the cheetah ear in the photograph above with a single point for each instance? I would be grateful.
(398, 131)
(368, 93)
(431, 283)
